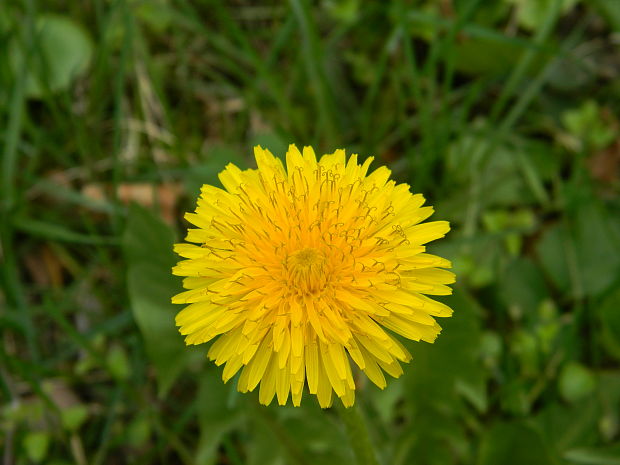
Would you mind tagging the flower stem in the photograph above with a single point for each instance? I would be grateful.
(357, 432)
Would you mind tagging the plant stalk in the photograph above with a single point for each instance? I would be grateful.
(357, 431)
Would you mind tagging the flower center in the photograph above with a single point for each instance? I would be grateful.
(306, 271)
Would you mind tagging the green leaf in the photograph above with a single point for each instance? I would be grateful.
(118, 363)
(491, 347)
(611, 10)
(139, 431)
(513, 443)
(609, 455)
(157, 14)
(36, 445)
(147, 244)
(206, 172)
(305, 435)
(609, 317)
(582, 257)
(588, 125)
(150, 289)
(73, 417)
(272, 141)
(486, 55)
(514, 397)
(522, 288)
(597, 246)
(551, 252)
(498, 178)
(62, 52)
(525, 347)
(216, 416)
(346, 11)
(440, 376)
(609, 395)
(457, 347)
(575, 382)
(311, 436)
(263, 449)
(531, 13)
(570, 426)
(147, 239)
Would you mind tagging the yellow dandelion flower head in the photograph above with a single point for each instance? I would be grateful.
(297, 270)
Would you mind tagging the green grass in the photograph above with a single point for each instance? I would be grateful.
(504, 116)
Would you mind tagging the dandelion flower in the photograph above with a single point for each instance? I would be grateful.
(298, 270)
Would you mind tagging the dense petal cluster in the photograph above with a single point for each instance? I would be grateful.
(298, 270)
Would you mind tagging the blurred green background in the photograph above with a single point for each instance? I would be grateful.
(502, 112)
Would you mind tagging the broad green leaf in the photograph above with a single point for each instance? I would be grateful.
(62, 51)
(455, 355)
(571, 426)
(147, 239)
(437, 380)
(150, 290)
(575, 382)
(531, 13)
(611, 10)
(608, 455)
(36, 445)
(485, 55)
(497, 176)
(157, 14)
(571, 73)
(346, 11)
(139, 431)
(582, 256)
(217, 414)
(597, 246)
(609, 394)
(306, 435)
(522, 288)
(609, 316)
(73, 417)
(147, 244)
(524, 346)
(315, 436)
(513, 443)
(118, 363)
(474, 259)
(262, 449)
(551, 251)
(513, 397)
(206, 172)
(274, 142)
(491, 347)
